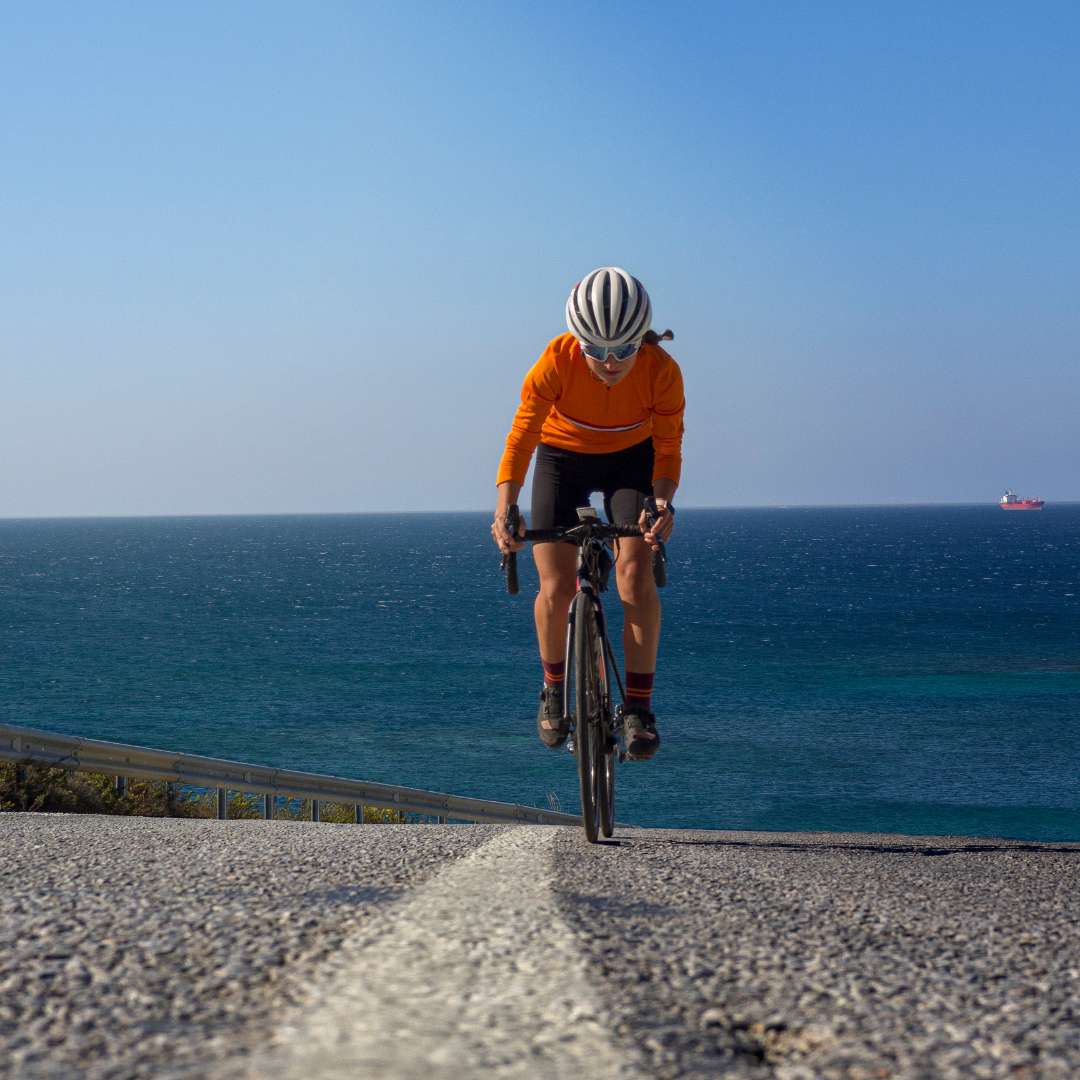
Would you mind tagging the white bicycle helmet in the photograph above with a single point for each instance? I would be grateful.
(608, 307)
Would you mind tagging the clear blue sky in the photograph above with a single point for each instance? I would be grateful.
(267, 257)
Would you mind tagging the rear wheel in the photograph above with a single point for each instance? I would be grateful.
(587, 711)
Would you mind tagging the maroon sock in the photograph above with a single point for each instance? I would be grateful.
(639, 687)
(554, 674)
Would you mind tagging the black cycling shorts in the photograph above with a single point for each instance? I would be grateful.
(563, 480)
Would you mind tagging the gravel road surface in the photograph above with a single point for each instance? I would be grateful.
(151, 948)
(139, 947)
(859, 956)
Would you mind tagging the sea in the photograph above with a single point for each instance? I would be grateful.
(906, 669)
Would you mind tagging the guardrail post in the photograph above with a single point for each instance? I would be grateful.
(358, 813)
(268, 807)
(315, 810)
(120, 786)
(222, 804)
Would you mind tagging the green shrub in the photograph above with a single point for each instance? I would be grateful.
(49, 789)
(27, 787)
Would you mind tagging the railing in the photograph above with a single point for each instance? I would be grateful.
(22, 744)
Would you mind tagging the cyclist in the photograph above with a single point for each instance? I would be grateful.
(603, 409)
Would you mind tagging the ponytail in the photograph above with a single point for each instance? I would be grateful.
(653, 338)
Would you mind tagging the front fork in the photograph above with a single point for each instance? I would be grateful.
(604, 658)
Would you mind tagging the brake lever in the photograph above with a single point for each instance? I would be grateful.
(659, 558)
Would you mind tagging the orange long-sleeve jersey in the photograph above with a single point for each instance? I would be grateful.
(565, 405)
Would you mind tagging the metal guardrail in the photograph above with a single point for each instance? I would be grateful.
(23, 744)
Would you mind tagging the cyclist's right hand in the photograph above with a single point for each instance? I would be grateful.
(501, 535)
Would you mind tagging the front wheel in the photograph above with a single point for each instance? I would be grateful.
(606, 773)
(590, 738)
(608, 749)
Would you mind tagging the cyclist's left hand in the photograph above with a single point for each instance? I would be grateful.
(662, 527)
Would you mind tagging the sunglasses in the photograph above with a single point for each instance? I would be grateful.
(602, 352)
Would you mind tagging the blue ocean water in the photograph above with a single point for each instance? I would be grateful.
(909, 669)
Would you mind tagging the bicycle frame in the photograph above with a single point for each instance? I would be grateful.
(591, 579)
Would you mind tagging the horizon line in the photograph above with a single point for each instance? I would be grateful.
(203, 515)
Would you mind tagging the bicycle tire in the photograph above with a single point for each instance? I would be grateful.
(583, 622)
(606, 746)
(607, 791)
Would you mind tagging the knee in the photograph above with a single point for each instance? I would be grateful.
(556, 591)
(635, 581)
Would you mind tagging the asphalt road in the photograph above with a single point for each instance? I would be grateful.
(150, 948)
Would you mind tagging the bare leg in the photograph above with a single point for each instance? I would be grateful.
(641, 610)
(641, 605)
(557, 567)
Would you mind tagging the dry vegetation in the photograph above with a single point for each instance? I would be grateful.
(32, 788)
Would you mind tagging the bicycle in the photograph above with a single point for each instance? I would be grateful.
(595, 728)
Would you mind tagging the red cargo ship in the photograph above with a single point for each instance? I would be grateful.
(1012, 501)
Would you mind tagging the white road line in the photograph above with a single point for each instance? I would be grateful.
(475, 974)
